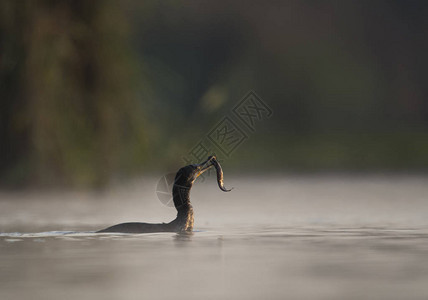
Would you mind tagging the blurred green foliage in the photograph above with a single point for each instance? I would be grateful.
(345, 79)
(68, 87)
(96, 90)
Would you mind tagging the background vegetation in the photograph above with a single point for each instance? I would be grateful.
(91, 91)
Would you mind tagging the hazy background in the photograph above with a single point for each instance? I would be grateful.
(99, 99)
(97, 91)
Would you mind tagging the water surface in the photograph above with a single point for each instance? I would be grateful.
(282, 237)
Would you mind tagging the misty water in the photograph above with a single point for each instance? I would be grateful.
(276, 237)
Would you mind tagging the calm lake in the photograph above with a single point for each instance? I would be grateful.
(278, 237)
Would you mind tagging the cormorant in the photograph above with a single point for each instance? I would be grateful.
(181, 196)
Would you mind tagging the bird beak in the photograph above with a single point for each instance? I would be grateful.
(202, 167)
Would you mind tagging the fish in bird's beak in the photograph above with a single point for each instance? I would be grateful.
(219, 175)
(212, 161)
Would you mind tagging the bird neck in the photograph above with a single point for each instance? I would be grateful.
(181, 197)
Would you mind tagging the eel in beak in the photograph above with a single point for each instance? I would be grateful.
(212, 161)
